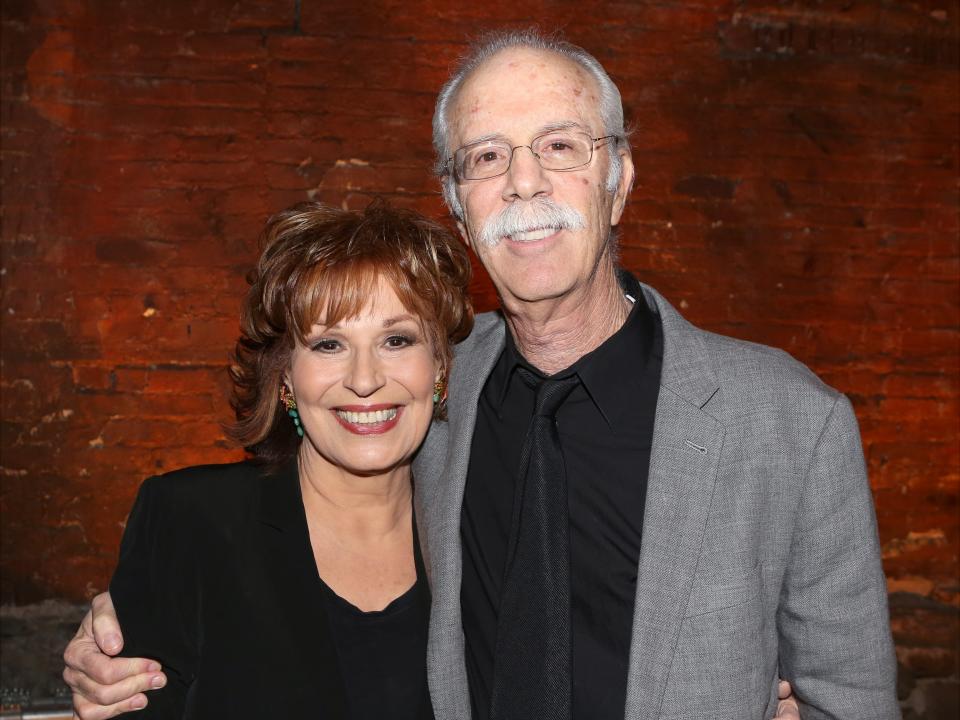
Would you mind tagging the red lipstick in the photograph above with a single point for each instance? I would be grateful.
(367, 428)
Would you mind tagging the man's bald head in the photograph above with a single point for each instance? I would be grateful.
(610, 104)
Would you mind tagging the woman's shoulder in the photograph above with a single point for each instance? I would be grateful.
(202, 488)
(244, 471)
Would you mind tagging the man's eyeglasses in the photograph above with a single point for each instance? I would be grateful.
(557, 151)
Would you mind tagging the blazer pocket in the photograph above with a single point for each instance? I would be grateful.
(719, 666)
(713, 591)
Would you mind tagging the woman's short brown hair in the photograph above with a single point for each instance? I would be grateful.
(320, 261)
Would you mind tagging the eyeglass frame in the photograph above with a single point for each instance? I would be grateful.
(514, 148)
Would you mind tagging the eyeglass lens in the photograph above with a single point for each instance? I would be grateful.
(555, 151)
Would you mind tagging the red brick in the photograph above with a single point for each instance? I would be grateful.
(89, 378)
(804, 198)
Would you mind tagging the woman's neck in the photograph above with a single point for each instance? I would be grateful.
(355, 508)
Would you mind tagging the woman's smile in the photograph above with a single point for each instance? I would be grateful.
(370, 420)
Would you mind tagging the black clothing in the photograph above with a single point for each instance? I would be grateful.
(217, 581)
(532, 674)
(382, 653)
(606, 431)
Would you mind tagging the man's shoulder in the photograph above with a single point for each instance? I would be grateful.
(754, 362)
(481, 347)
(741, 363)
(765, 386)
(485, 326)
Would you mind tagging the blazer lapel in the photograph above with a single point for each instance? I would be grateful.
(687, 443)
(290, 568)
(440, 470)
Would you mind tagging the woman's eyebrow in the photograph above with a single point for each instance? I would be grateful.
(390, 322)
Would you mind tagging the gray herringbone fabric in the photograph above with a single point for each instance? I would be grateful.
(759, 556)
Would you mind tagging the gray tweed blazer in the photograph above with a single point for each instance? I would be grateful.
(759, 554)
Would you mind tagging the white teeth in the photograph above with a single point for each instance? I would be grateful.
(532, 235)
(368, 418)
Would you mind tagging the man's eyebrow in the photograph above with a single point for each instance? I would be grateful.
(542, 130)
(487, 138)
(563, 125)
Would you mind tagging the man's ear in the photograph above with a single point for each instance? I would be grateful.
(623, 187)
(464, 235)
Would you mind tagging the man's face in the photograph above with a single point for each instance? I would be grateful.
(515, 96)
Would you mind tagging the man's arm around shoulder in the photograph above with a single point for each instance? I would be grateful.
(104, 686)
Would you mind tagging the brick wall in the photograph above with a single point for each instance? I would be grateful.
(797, 186)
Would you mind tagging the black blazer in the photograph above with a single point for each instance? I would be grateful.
(211, 549)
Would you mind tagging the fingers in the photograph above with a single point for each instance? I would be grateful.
(85, 710)
(788, 710)
(106, 627)
(783, 690)
(104, 686)
(105, 695)
(84, 657)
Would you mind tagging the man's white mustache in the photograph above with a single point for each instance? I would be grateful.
(526, 216)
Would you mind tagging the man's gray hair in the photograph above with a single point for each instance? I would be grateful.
(611, 106)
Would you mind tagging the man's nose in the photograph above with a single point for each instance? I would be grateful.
(366, 375)
(525, 177)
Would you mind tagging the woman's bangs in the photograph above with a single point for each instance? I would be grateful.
(328, 294)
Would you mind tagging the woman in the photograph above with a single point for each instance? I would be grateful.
(292, 585)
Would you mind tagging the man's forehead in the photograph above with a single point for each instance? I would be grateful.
(515, 85)
(518, 62)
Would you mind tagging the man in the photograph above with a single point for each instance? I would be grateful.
(624, 516)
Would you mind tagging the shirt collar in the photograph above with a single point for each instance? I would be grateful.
(611, 372)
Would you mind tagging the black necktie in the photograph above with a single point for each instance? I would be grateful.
(531, 679)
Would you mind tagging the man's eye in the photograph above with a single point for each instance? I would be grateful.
(557, 146)
(326, 346)
(484, 158)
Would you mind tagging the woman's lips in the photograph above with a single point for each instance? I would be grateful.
(369, 419)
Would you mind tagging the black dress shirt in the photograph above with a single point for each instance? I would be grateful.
(606, 430)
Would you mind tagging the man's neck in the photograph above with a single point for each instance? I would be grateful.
(554, 334)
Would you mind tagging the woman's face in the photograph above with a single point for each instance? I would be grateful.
(364, 387)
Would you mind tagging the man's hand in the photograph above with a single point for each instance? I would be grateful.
(787, 709)
(105, 686)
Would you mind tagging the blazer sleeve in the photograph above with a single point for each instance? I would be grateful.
(832, 619)
(156, 594)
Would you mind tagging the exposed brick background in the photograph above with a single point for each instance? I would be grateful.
(797, 186)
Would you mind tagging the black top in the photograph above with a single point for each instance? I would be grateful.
(382, 653)
(606, 431)
(217, 581)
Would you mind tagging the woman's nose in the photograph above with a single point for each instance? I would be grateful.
(366, 374)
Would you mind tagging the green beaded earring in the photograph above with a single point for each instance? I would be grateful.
(290, 403)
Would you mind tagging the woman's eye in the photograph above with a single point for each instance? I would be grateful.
(326, 346)
(398, 341)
